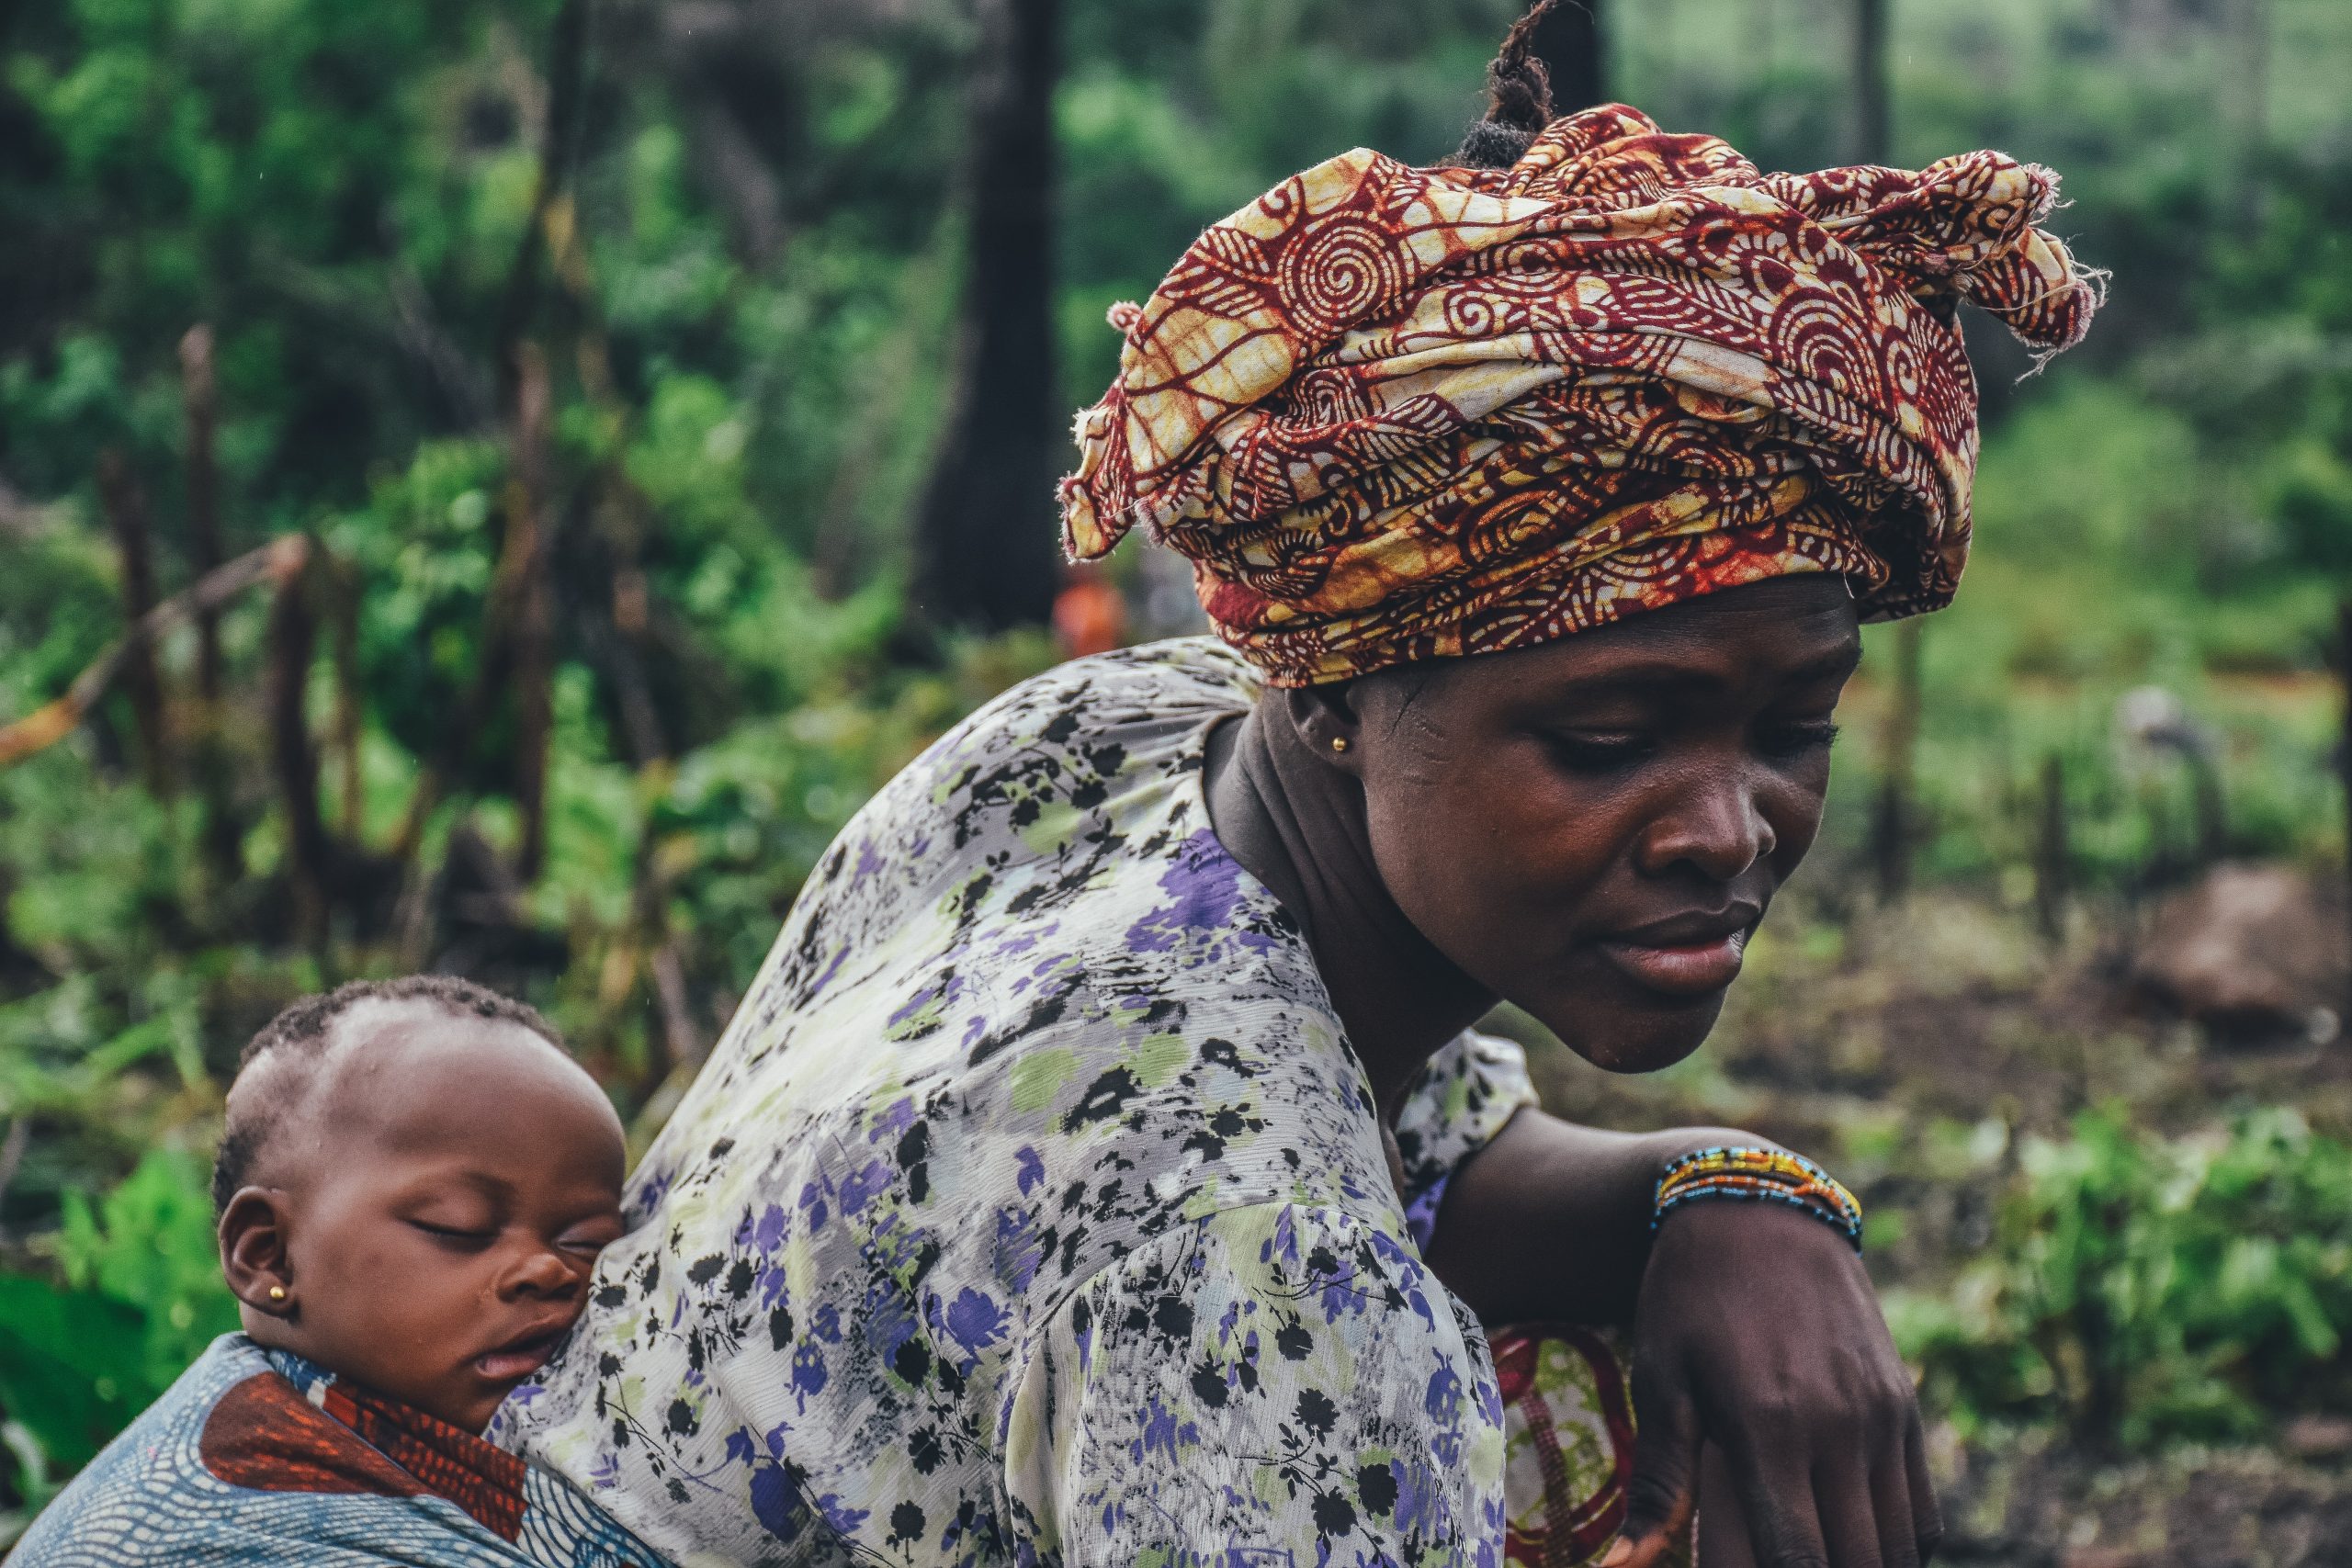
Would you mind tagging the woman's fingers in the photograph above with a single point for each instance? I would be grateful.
(1664, 1487)
(1899, 1545)
(1927, 1514)
(1855, 1509)
(1775, 1492)
(1865, 1507)
(1723, 1528)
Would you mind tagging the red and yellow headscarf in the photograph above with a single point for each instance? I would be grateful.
(1393, 413)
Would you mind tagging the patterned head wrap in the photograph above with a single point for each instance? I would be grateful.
(1395, 413)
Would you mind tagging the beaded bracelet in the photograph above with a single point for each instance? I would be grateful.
(1759, 1175)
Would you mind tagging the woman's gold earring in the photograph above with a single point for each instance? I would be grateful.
(278, 1292)
(1338, 743)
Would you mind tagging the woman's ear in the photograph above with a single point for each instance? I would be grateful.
(253, 1234)
(1326, 722)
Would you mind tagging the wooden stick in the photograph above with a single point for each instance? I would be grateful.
(126, 510)
(678, 1030)
(352, 812)
(2053, 855)
(528, 524)
(46, 726)
(1896, 828)
(2344, 760)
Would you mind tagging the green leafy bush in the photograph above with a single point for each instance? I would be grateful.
(2145, 1291)
(140, 1298)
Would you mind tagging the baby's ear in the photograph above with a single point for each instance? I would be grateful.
(253, 1251)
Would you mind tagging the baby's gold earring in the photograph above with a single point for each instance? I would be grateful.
(1338, 743)
(278, 1292)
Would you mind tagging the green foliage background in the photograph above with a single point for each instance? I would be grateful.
(748, 297)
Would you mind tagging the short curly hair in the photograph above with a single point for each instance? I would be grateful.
(301, 1032)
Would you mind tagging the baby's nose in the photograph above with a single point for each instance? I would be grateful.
(543, 1271)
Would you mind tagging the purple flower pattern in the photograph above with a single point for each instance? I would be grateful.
(1033, 1211)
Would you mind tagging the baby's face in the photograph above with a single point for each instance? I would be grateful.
(446, 1194)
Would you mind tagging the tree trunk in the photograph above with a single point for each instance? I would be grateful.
(986, 532)
(1568, 42)
(1873, 111)
(223, 834)
(293, 634)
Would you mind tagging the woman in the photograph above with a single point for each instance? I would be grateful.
(1102, 1168)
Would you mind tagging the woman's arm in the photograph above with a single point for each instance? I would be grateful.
(1755, 1328)
(1551, 1221)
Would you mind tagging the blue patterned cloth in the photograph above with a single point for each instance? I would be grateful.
(250, 1461)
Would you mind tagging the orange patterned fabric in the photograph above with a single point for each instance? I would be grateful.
(265, 1435)
(1393, 413)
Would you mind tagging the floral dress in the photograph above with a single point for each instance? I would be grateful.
(1033, 1209)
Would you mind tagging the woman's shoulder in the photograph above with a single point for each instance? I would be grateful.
(1067, 783)
(1086, 730)
(1199, 672)
(1146, 695)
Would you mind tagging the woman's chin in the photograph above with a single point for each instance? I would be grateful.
(1636, 1039)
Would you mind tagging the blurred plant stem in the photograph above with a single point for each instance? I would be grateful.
(1894, 830)
(126, 508)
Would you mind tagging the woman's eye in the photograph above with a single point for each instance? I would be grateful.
(1798, 739)
(1595, 751)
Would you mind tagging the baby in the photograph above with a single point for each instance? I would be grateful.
(412, 1189)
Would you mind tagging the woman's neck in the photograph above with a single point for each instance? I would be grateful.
(1298, 825)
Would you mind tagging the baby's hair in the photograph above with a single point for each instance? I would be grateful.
(300, 1034)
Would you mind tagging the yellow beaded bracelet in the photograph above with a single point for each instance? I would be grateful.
(1767, 1175)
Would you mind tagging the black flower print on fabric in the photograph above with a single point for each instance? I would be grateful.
(1032, 1210)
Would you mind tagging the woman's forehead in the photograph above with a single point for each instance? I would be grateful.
(1788, 630)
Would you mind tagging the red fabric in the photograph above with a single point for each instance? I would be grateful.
(482, 1479)
(1581, 1514)
(264, 1435)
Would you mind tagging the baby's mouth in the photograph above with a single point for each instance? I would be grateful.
(520, 1357)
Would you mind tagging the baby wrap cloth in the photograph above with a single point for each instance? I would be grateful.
(259, 1458)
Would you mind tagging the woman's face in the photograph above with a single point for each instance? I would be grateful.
(1592, 829)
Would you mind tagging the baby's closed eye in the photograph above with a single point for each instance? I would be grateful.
(464, 1236)
(591, 1238)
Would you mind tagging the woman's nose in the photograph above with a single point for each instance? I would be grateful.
(1716, 824)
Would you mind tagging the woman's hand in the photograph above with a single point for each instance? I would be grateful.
(1757, 1331)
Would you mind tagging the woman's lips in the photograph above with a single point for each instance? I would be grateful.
(1681, 968)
